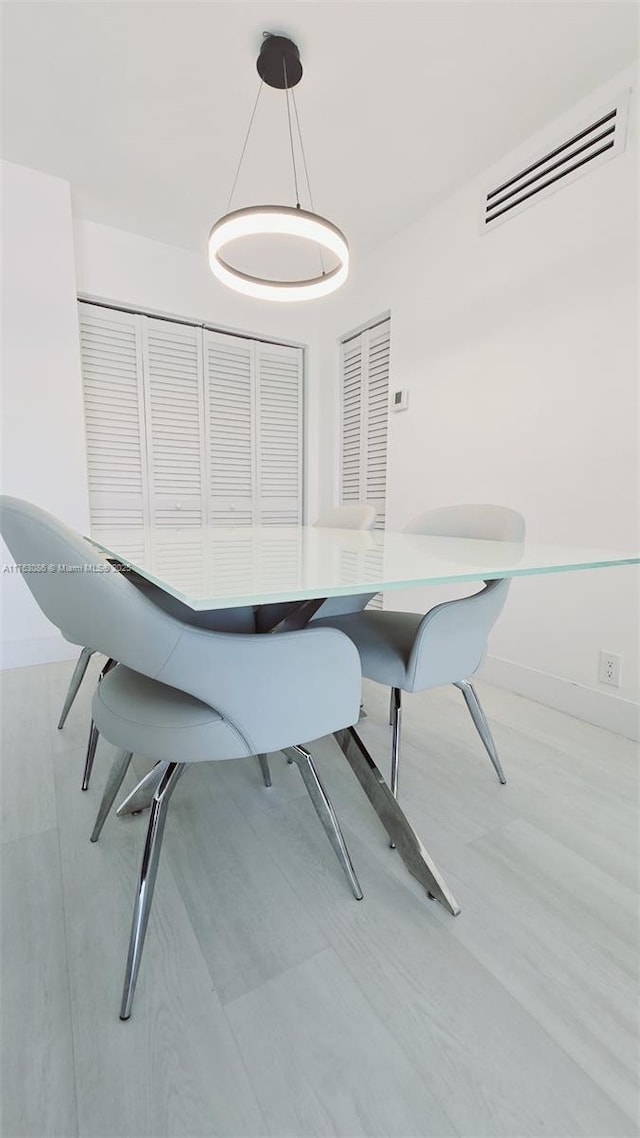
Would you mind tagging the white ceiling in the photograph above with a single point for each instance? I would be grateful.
(143, 106)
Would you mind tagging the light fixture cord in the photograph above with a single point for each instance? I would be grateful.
(306, 172)
(253, 115)
(293, 156)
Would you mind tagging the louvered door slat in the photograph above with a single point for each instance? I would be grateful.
(365, 409)
(350, 490)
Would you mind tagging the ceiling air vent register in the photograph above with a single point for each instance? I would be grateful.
(598, 139)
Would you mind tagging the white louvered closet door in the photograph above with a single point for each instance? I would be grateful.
(377, 347)
(278, 372)
(111, 354)
(187, 427)
(172, 363)
(365, 416)
(229, 415)
(352, 488)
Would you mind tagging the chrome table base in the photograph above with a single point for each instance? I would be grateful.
(141, 796)
(400, 832)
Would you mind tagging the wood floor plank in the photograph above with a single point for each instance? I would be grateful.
(324, 1064)
(439, 999)
(38, 1082)
(536, 871)
(381, 1017)
(591, 1011)
(249, 922)
(173, 1069)
(28, 799)
(584, 741)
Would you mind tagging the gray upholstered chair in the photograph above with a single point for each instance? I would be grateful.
(181, 694)
(413, 652)
(217, 620)
(222, 620)
(360, 515)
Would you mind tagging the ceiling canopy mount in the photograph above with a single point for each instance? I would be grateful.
(279, 63)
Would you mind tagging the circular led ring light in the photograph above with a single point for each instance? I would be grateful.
(283, 220)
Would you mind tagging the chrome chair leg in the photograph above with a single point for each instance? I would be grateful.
(325, 812)
(264, 767)
(482, 727)
(147, 880)
(94, 735)
(76, 680)
(114, 782)
(396, 723)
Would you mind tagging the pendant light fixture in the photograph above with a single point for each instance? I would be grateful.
(279, 67)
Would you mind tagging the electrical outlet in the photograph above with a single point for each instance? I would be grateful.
(609, 669)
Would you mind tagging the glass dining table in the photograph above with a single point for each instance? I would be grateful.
(295, 569)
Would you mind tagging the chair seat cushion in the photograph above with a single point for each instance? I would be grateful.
(151, 719)
(384, 641)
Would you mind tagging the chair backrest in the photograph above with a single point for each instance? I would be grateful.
(486, 522)
(452, 638)
(82, 594)
(274, 690)
(359, 516)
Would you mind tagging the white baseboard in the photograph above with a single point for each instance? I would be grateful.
(597, 707)
(39, 650)
(600, 708)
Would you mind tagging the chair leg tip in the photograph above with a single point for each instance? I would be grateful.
(124, 1019)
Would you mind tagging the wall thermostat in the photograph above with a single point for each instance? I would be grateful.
(400, 400)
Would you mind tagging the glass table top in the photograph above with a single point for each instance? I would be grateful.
(213, 567)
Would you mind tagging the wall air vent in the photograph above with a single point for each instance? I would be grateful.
(599, 138)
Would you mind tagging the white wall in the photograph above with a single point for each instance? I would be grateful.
(519, 350)
(47, 261)
(123, 268)
(43, 452)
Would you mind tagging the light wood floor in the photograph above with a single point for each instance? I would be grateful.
(272, 1003)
